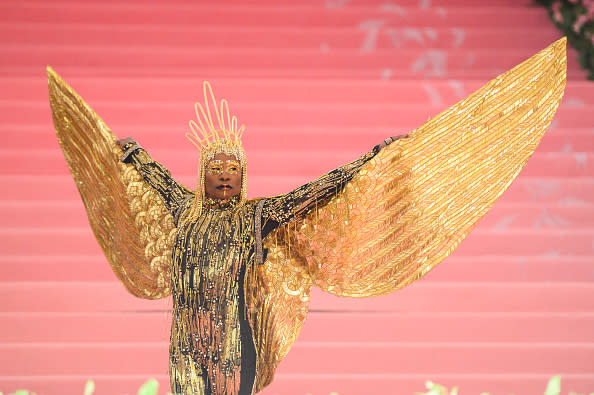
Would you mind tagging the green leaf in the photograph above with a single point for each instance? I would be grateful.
(149, 388)
(89, 387)
(554, 386)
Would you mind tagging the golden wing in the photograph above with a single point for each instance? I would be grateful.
(128, 218)
(407, 208)
(411, 206)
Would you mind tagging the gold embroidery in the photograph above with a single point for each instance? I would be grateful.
(404, 211)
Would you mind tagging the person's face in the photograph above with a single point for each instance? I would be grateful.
(222, 177)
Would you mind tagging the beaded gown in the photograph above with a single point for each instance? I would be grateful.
(212, 348)
(240, 277)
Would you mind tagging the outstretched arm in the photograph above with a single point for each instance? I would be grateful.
(281, 209)
(173, 194)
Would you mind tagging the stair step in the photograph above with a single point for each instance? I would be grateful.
(403, 62)
(183, 92)
(320, 384)
(188, 90)
(382, 72)
(311, 358)
(551, 268)
(320, 327)
(331, 4)
(300, 138)
(365, 38)
(420, 297)
(294, 15)
(173, 118)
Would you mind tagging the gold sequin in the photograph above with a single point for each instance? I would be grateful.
(365, 232)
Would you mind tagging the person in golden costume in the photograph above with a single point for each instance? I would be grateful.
(240, 271)
(219, 233)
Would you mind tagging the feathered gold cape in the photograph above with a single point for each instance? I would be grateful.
(403, 213)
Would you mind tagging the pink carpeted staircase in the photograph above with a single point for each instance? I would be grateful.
(317, 83)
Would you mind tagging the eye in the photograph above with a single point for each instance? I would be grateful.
(232, 167)
(214, 169)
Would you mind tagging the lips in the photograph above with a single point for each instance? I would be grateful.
(224, 187)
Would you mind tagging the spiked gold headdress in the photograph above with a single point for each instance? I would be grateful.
(212, 140)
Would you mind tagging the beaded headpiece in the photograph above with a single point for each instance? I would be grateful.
(211, 140)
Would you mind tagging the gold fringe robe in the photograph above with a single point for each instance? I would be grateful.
(404, 211)
(209, 261)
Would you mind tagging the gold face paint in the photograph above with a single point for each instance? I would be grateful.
(232, 166)
(217, 166)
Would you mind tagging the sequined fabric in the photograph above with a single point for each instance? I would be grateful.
(208, 260)
(134, 210)
(368, 229)
(413, 204)
(210, 256)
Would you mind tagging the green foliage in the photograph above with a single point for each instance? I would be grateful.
(89, 387)
(575, 18)
(554, 386)
(151, 387)
(436, 389)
